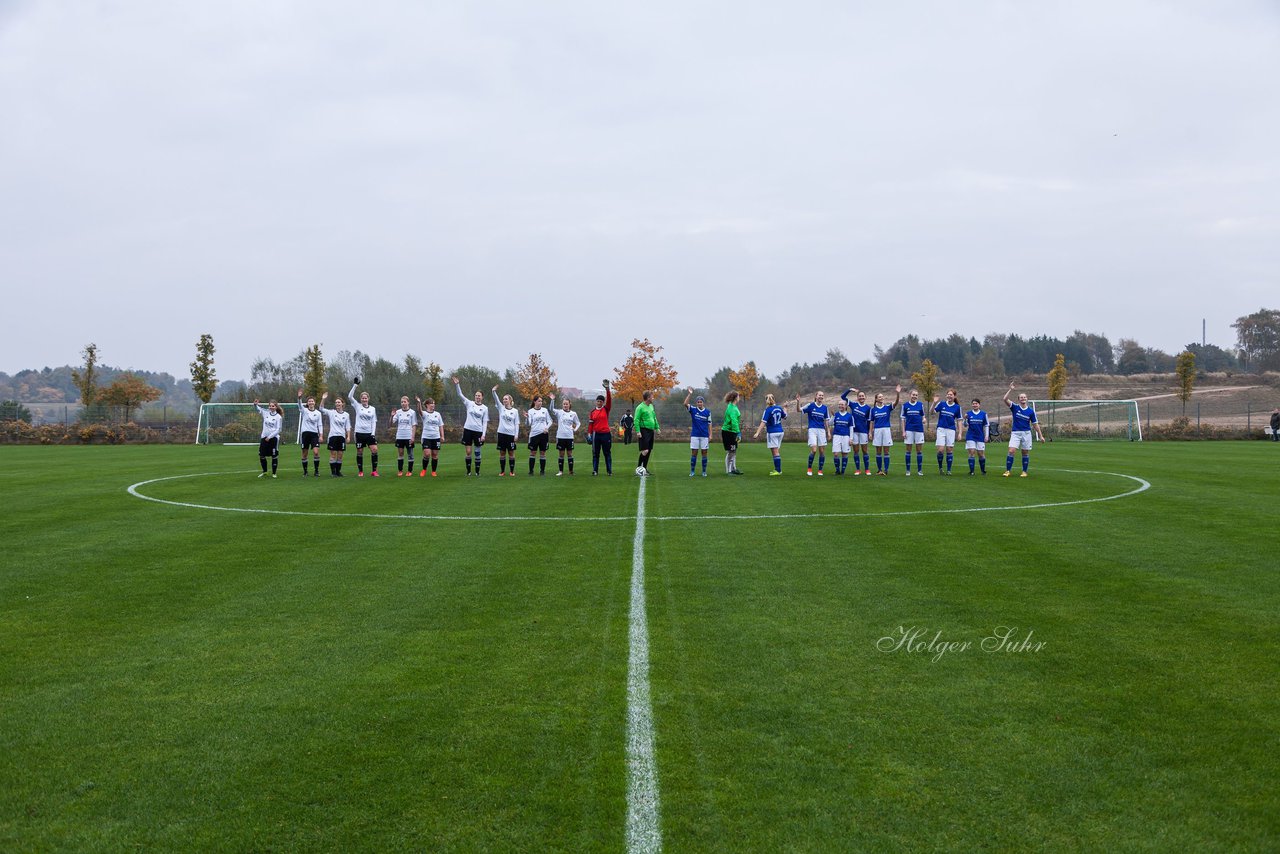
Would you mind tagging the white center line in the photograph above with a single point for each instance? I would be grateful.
(644, 832)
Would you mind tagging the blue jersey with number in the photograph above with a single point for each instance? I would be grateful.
(947, 414)
(880, 415)
(701, 427)
(1023, 417)
(773, 418)
(842, 423)
(975, 424)
(861, 417)
(913, 416)
(817, 413)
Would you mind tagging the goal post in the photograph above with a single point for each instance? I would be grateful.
(1089, 419)
(240, 424)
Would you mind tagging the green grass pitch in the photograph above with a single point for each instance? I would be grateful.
(442, 664)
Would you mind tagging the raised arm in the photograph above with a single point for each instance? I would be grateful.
(608, 397)
(497, 400)
(458, 388)
(897, 394)
(1007, 400)
(688, 396)
(845, 395)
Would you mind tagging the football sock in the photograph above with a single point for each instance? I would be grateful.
(435, 461)
(950, 459)
(939, 460)
(822, 460)
(866, 462)
(333, 468)
(477, 455)
(411, 461)
(908, 461)
(777, 464)
(373, 460)
(1026, 461)
(811, 460)
(399, 463)
(304, 467)
(982, 464)
(704, 463)
(502, 464)
(275, 461)
(542, 465)
(263, 461)
(531, 462)
(571, 464)
(693, 463)
(971, 462)
(879, 462)
(919, 461)
(561, 463)
(468, 465)
(1008, 463)
(360, 463)
(315, 464)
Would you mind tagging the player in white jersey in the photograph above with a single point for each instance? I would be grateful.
(405, 422)
(269, 446)
(311, 426)
(366, 422)
(539, 421)
(477, 424)
(567, 424)
(508, 431)
(339, 433)
(432, 435)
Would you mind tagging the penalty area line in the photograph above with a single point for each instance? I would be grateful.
(644, 833)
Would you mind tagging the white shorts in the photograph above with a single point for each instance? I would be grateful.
(699, 443)
(882, 437)
(860, 438)
(946, 438)
(817, 437)
(775, 440)
(971, 445)
(1020, 440)
(840, 444)
(913, 437)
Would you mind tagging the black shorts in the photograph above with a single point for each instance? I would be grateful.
(564, 444)
(310, 439)
(506, 442)
(337, 443)
(430, 444)
(539, 442)
(472, 438)
(730, 440)
(646, 439)
(404, 443)
(269, 447)
(364, 440)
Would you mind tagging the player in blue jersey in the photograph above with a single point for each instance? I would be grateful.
(818, 416)
(699, 431)
(882, 429)
(913, 430)
(841, 438)
(948, 415)
(861, 429)
(771, 423)
(977, 426)
(1024, 421)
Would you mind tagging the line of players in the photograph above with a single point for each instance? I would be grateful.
(359, 426)
(853, 426)
(849, 430)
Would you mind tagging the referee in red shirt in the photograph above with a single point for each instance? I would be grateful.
(599, 433)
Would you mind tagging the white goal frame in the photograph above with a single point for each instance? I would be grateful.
(1089, 412)
(207, 409)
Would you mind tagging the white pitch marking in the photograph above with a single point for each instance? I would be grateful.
(644, 833)
(1143, 486)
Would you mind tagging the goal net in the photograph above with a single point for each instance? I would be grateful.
(1089, 419)
(240, 424)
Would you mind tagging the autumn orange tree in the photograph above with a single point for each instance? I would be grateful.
(1058, 378)
(745, 380)
(645, 370)
(534, 378)
(129, 391)
(926, 380)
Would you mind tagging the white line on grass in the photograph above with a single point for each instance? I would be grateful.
(133, 490)
(643, 830)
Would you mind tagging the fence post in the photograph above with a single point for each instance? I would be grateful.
(1097, 410)
(1248, 415)
(1197, 417)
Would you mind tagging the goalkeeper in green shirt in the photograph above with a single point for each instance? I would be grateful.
(647, 424)
(730, 430)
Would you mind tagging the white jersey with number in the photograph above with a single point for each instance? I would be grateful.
(432, 424)
(309, 420)
(270, 422)
(405, 420)
(508, 419)
(477, 413)
(339, 422)
(366, 416)
(539, 421)
(567, 423)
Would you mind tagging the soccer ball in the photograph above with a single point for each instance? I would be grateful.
(640, 470)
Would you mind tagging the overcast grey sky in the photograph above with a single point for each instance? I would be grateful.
(469, 182)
